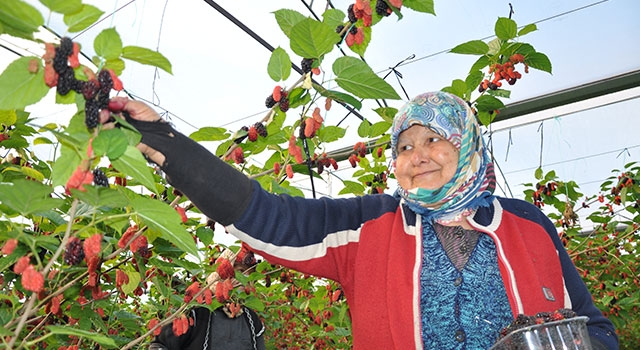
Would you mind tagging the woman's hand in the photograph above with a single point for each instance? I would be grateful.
(137, 110)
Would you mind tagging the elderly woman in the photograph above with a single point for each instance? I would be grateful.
(443, 264)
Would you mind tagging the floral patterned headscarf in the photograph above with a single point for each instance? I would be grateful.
(473, 184)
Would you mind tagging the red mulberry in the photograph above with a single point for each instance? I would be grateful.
(252, 134)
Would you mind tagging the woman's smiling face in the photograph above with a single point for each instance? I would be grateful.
(424, 159)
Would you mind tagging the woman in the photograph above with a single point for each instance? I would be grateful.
(444, 264)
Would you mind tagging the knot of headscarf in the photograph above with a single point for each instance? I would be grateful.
(473, 184)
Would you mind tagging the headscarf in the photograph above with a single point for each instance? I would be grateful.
(473, 184)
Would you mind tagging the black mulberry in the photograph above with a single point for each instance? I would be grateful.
(74, 253)
(306, 65)
(284, 105)
(90, 89)
(99, 178)
(382, 8)
(261, 128)
(91, 114)
(351, 14)
(270, 102)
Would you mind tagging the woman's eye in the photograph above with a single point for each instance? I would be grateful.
(403, 148)
(434, 139)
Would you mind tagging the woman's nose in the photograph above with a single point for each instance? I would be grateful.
(420, 155)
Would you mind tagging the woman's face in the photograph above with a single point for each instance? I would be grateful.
(424, 159)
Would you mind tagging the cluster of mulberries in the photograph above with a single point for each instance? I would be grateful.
(325, 162)
(257, 129)
(279, 95)
(60, 63)
(74, 253)
(379, 183)
(504, 72)
(522, 321)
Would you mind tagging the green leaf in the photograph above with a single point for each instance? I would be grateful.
(27, 197)
(488, 103)
(539, 61)
(98, 338)
(134, 281)
(116, 65)
(82, 19)
(527, 29)
(209, 133)
(298, 97)
(538, 174)
(331, 133)
(205, 235)
(379, 128)
(8, 117)
(279, 67)
(358, 78)
(473, 80)
(312, 39)
(351, 187)
(112, 142)
(287, 19)
(425, 6)
(108, 44)
(506, 28)
(21, 16)
(20, 88)
(63, 6)
(146, 56)
(32, 173)
(494, 46)
(485, 118)
(133, 164)
(161, 217)
(64, 166)
(97, 196)
(458, 87)
(480, 63)
(363, 128)
(473, 47)
(338, 96)
(333, 17)
(387, 113)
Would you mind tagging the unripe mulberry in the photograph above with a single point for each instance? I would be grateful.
(74, 253)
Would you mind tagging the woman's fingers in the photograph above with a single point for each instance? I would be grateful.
(151, 153)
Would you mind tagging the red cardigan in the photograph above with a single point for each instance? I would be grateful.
(372, 247)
